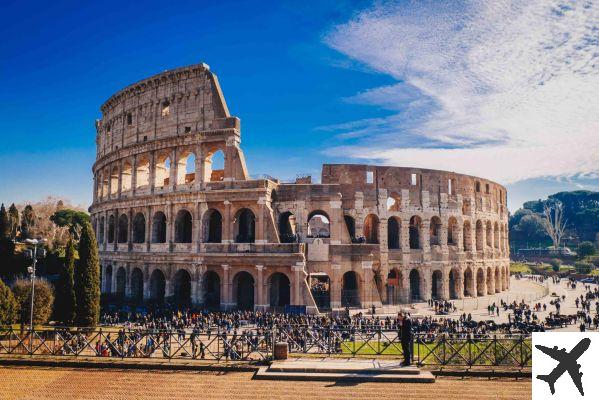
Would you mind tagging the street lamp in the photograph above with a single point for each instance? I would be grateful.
(33, 254)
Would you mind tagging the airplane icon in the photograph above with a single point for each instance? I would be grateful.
(567, 362)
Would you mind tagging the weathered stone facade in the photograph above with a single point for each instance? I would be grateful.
(172, 228)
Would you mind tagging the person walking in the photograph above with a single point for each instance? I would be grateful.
(406, 338)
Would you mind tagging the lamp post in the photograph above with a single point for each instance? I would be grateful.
(33, 254)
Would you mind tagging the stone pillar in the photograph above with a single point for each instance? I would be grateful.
(425, 239)
(226, 292)
(366, 286)
(148, 227)
(425, 283)
(173, 173)
(115, 269)
(337, 222)
(152, 177)
(227, 227)
(197, 225)
(297, 269)
(260, 223)
(120, 188)
(404, 235)
(199, 168)
(115, 238)
(128, 281)
(170, 224)
(146, 280)
(445, 288)
(260, 298)
(134, 175)
(335, 286)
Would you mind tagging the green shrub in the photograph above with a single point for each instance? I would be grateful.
(555, 264)
(8, 306)
(583, 267)
(585, 249)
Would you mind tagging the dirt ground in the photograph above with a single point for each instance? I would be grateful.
(72, 384)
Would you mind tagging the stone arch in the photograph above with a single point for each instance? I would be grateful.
(479, 235)
(137, 285)
(371, 229)
(437, 284)
(186, 168)
(350, 225)
(121, 280)
(142, 172)
(214, 166)
(467, 236)
(394, 286)
(393, 233)
(162, 171)
(287, 227)
(114, 180)
(111, 229)
(414, 278)
(108, 279)
(489, 234)
(394, 202)
(139, 228)
(211, 285)
(159, 227)
(452, 231)
(469, 287)
(213, 226)
(126, 176)
(480, 282)
(183, 226)
(245, 226)
(279, 290)
(435, 231)
(454, 283)
(182, 288)
(157, 286)
(415, 229)
(319, 224)
(350, 294)
(243, 287)
(123, 231)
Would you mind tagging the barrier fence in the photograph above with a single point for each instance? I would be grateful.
(256, 344)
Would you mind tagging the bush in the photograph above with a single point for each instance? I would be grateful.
(43, 301)
(585, 249)
(583, 267)
(555, 264)
(8, 306)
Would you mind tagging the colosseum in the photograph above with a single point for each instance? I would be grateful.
(179, 220)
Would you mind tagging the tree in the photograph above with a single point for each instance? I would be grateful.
(13, 219)
(586, 249)
(65, 288)
(4, 222)
(42, 303)
(554, 224)
(8, 306)
(71, 219)
(583, 267)
(87, 279)
(27, 222)
(555, 264)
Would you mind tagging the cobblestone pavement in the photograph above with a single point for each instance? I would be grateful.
(72, 384)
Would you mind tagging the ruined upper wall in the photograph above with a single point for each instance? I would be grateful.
(177, 102)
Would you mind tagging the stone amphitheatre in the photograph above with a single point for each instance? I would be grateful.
(174, 226)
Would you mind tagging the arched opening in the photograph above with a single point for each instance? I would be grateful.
(213, 226)
(489, 234)
(162, 171)
(142, 173)
(454, 278)
(157, 286)
(126, 177)
(415, 285)
(139, 228)
(137, 286)
(211, 284)
(245, 226)
(320, 287)
(496, 236)
(350, 296)
(159, 227)
(183, 227)
(452, 231)
(437, 285)
(287, 227)
(101, 233)
(350, 225)
(393, 233)
(214, 166)
(394, 287)
(182, 289)
(114, 181)
(279, 290)
(415, 224)
(497, 280)
(111, 229)
(480, 282)
(371, 229)
(467, 236)
(123, 234)
(468, 283)
(120, 282)
(243, 286)
(186, 168)
(394, 202)
(108, 280)
(435, 231)
(319, 225)
(105, 180)
(479, 235)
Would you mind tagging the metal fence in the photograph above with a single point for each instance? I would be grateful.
(254, 344)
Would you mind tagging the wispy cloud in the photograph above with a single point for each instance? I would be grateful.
(504, 89)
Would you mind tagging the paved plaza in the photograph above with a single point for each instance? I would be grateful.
(73, 384)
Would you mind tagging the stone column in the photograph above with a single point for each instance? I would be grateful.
(120, 188)
(134, 175)
(366, 295)
(148, 227)
(128, 281)
(226, 292)
(445, 289)
(115, 269)
(199, 168)
(173, 173)
(404, 235)
(425, 239)
(146, 280)
(227, 231)
(152, 175)
(335, 286)
(425, 283)
(260, 224)
(297, 269)
(260, 300)
(115, 238)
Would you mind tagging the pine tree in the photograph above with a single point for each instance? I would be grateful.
(27, 222)
(65, 288)
(4, 222)
(13, 218)
(87, 279)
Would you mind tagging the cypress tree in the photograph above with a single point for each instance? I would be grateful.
(65, 291)
(4, 223)
(87, 279)
(8, 305)
(13, 218)
(27, 222)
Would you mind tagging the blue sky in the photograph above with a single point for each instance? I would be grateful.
(313, 82)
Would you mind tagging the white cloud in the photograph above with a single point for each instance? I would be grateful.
(508, 90)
